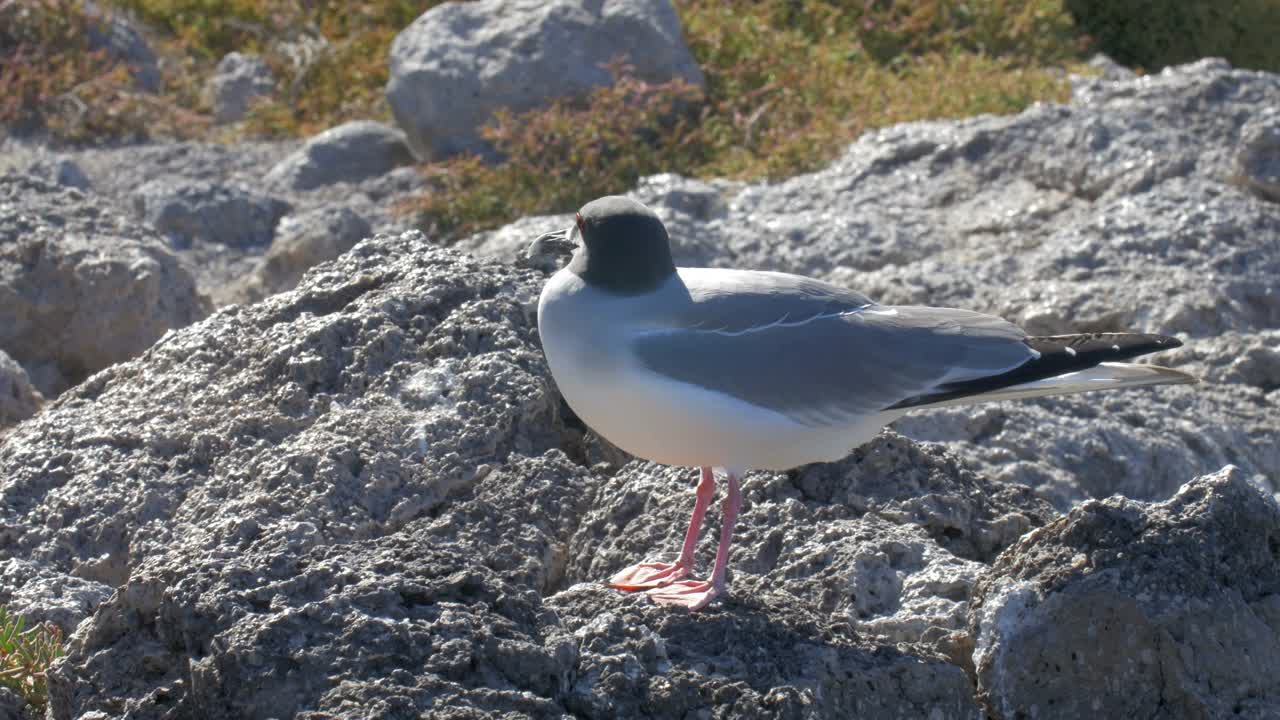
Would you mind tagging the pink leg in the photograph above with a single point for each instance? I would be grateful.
(648, 575)
(695, 594)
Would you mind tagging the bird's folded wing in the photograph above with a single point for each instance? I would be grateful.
(828, 368)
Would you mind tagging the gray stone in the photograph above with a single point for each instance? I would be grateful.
(303, 241)
(189, 211)
(42, 594)
(1123, 609)
(19, 400)
(119, 172)
(237, 82)
(1258, 161)
(61, 170)
(766, 659)
(12, 705)
(347, 153)
(460, 62)
(112, 32)
(81, 287)
(509, 242)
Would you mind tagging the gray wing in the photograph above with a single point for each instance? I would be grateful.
(821, 361)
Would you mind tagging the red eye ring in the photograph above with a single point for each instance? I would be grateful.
(578, 218)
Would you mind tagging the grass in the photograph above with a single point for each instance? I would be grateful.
(25, 656)
(788, 84)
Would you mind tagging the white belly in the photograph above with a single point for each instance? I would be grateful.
(678, 424)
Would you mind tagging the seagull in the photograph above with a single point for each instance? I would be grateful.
(742, 370)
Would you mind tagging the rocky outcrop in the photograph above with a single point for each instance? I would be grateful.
(1120, 609)
(350, 152)
(460, 62)
(19, 399)
(237, 82)
(302, 241)
(81, 287)
(186, 212)
(364, 495)
(378, 464)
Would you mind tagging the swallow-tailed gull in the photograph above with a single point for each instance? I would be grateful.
(742, 370)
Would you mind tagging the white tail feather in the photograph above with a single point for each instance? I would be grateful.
(1106, 376)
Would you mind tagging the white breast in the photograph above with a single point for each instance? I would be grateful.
(586, 338)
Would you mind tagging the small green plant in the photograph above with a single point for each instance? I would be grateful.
(25, 656)
(52, 78)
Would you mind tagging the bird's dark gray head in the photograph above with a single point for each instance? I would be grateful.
(625, 249)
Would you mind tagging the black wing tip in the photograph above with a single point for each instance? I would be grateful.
(1058, 355)
(1120, 345)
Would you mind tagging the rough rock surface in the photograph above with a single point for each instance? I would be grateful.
(1120, 609)
(302, 241)
(1258, 162)
(363, 494)
(460, 62)
(350, 152)
(1119, 211)
(81, 286)
(117, 175)
(238, 80)
(61, 170)
(189, 211)
(42, 594)
(12, 706)
(19, 399)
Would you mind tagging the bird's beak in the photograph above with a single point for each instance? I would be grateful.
(554, 245)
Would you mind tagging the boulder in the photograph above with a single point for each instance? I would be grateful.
(187, 211)
(61, 170)
(81, 287)
(1122, 609)
(113, 33)
(12, 705)
(19, 399)
(303, 241)
(460, 62)
(348, 153)
(237, 82)
(1258, 161)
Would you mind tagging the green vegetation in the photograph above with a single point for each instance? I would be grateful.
(25, 656)
(52, 78)
(330, 57)
(1156, 33)
(788, 83)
